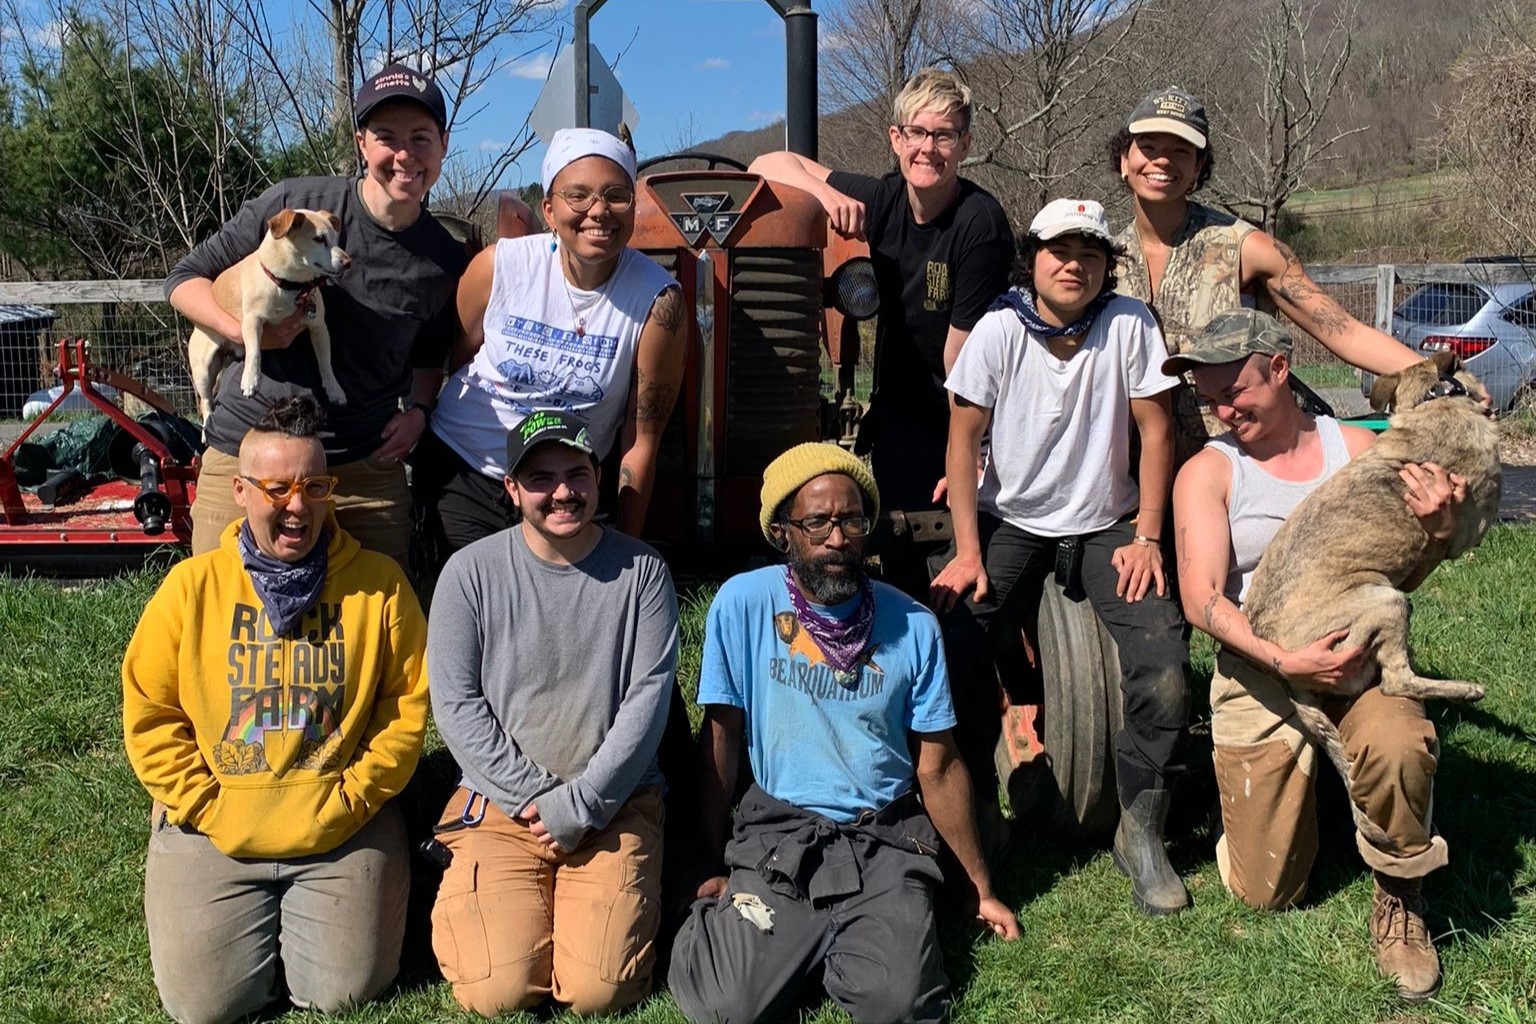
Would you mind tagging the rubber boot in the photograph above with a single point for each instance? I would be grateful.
(1404, 951)
(1140, 854)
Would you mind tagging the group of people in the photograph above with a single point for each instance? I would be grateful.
(276, 691)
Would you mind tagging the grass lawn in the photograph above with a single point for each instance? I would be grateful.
(73, 826)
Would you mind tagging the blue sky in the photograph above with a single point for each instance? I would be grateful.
(718, 62)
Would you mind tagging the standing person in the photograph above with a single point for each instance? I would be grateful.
(552, 649)
(1062, 373)
(571, 320)
(837, 687)
(274, 701)
(941, 247)
(390, 315)
(1229, 502)
(1189, 261)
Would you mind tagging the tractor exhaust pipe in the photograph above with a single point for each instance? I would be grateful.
(800, 113)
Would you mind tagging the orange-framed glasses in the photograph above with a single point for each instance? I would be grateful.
(278, 492)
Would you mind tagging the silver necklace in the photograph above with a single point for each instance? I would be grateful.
(579, 316)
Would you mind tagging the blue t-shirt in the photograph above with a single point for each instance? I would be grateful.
(815, 743)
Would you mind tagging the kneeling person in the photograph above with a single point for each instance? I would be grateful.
(552, 649)
(833, 681)
(274, 700)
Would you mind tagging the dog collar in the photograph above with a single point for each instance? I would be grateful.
(304, 288)
(1445, 387)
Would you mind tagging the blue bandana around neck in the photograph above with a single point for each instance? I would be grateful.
(1023, 305)
(287, 589)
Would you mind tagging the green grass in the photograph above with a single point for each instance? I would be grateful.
(1416, 188)
(1329, 375)
(73, 828)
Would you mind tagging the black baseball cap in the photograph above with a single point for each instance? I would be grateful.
(1173, 111)
(398, 82)
(547, 426)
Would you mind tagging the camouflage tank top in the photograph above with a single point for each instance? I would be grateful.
(1203, 277)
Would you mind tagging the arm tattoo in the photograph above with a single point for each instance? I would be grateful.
(1329, 318)
(1275, 664)
(669, 310)
(653, 403)
(1216, 625)
(1183, 549)
(626, 478)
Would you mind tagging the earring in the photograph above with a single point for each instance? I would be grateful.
(553, 244)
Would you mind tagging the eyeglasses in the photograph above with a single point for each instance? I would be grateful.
(617, 198)
(943, 138)
(278, 492)
(819, 528)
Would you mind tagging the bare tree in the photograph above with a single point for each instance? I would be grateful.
(1267, 155)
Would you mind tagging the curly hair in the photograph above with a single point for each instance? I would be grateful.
(1120, 144)
(1028, 246)
(299, 416)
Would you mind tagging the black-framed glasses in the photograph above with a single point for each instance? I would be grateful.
(278, 492)
(616, 197)
(819, 528)
(944, 138)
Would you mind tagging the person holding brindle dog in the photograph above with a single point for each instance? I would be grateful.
(1229, 501)
(390, 315)
(274, 702)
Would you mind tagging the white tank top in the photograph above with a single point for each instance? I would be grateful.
(548, 345)
(1258, 503)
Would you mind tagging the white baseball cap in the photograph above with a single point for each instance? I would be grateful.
(1071, 216)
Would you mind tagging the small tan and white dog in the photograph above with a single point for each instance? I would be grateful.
(283, 275)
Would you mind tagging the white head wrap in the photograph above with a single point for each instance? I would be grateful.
(572, 144)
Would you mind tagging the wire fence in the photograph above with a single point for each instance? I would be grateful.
(133, 331)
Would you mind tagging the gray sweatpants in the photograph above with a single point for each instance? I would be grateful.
(218, 925)
(876, 943)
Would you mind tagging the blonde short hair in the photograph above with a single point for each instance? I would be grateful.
(934, 89)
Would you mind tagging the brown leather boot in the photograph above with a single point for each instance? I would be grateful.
(1404, 951)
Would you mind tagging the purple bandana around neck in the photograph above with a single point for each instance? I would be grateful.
(1023, 305)
(287, 589)
(843, 641)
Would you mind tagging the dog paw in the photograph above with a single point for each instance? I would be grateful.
(248, 382)
(336, 395)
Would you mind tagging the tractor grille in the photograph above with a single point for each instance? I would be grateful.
(772, 399)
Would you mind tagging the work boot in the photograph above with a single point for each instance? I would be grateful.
(1404, 951)
(1140, 854)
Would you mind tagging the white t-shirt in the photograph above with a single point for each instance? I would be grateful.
(1060, 461)
(535, 358)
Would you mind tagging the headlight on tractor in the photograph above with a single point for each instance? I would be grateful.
(852, 289)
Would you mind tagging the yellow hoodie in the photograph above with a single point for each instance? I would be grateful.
(276, 746)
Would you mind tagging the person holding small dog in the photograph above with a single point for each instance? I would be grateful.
(1229, 501)
(837, 686)
(390, 315)
(274, 704)
(571, 320)
(554, 838)
(1063, 371)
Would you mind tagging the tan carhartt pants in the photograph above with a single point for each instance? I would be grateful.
(1266, 764)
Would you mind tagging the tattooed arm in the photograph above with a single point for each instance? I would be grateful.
(652, 393)
(1271, 263)
(1203, 536)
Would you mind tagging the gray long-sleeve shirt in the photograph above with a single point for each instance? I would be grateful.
(550, 682)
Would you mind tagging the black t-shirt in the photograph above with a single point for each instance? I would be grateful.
(932, 277)
(391, 312)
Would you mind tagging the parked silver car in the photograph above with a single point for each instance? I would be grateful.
(1491, 327)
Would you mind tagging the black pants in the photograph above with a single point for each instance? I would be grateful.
(1154, 655)
(907, 459)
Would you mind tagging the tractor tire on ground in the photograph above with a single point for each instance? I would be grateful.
(1083, 709)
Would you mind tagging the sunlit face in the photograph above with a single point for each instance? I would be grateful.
(1244, 395)
(830, 571)
(555, 489)
(1069, 274)
(1159, 167)
(598, 235)
(927, 164)
(402, 149)
(289, 530)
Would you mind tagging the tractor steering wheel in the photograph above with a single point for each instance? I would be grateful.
(713, 159)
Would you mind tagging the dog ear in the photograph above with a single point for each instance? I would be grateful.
(283, 222)
(1446, 362)
(335, 220)
(1383, 390)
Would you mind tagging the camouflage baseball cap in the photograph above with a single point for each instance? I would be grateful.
(1174, 111)
(1229, 337)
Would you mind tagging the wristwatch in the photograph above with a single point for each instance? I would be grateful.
(425, 407)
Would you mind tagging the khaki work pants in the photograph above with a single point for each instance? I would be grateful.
(1266, 764)
(373, 504)
(515, 923)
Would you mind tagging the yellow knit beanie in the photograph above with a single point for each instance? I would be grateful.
(805, 462)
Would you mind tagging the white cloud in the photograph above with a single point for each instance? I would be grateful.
(715, 64)
(535, 68)
(492, 146)
(765, 116)
(831, 41)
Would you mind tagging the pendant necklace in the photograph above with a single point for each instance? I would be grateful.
(579, 315)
